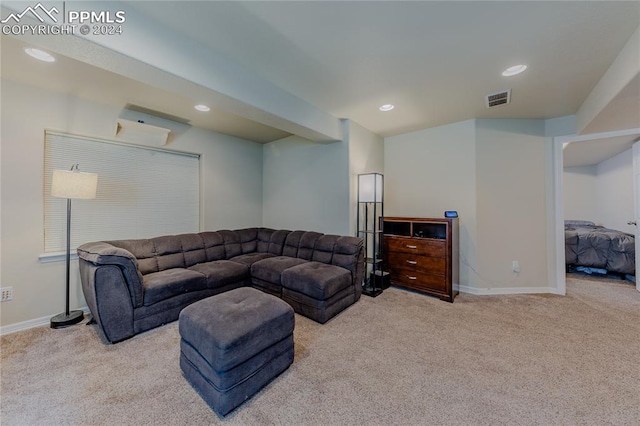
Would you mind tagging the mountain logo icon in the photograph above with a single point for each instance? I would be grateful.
(37, 11)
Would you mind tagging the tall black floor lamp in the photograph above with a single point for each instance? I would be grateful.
(71, 184)
(369, 225)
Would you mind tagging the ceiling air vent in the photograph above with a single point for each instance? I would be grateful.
(498, 98)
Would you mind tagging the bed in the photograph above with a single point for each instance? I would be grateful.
(598, 248)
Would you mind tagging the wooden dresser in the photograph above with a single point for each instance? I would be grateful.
(422, 254)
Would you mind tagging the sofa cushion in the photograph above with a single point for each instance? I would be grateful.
(291, 244)
(271, 269)
(168, 252)
(264, 235)
(213, 246)
(276, 242)
(307, 245)
(222, 272)
(193, 249)
(325, 246)
(143, 251)
(347, 254)
(248, 239)
(250, 258)
(232, 244)
(171, 282)
(317, 280)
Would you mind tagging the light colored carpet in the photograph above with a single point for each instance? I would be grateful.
(399, 359)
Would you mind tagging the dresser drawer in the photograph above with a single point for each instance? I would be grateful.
(417, 263)
(418, 280)
(423, 247)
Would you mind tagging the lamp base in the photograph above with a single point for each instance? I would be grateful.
(371, 291)
(63, 320)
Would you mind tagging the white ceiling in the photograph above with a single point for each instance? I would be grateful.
(593, 152)
(434, 60)
(86, 81)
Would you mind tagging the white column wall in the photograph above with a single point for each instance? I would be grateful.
(511, 204)
(433, 170)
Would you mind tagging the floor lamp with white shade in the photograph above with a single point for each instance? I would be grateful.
(71, 184)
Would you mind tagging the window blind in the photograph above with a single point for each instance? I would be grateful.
(142, 192)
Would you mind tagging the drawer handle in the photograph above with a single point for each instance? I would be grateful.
(412, 278)
(412, 247)
(412, 262)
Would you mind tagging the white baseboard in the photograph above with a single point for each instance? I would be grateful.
(508, 290)
(25, 325)
(12, 328)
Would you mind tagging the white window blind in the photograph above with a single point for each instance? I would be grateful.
(142, 192)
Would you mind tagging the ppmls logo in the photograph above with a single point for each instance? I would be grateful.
(34, 11)
(101, 22)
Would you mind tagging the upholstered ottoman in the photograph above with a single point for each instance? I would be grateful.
(317, 290)
(233, 344)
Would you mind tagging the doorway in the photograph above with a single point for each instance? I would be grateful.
(557, 271)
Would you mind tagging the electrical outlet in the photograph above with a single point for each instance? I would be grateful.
(7, 293)
(515, 266)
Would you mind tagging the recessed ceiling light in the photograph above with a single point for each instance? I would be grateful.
(202, 108)
(39, 54)
(516, 69)
(386, 107)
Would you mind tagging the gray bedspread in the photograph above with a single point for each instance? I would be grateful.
(598, 247)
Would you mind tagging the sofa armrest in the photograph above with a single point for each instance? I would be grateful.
(102, 254)
(108, 299)
(348, 252)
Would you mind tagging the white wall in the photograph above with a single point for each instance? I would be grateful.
(366, 155)
(602, 193)
(231, 189)
(433, 170)
(494, 173)
(579, 191)
(560, 126)
(306, 185)
(511, 186)
(614, 189)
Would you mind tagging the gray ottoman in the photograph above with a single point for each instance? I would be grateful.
(233, 344)
(317, 290)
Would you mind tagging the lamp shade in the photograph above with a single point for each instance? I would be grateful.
(77, 185)
(370, 188)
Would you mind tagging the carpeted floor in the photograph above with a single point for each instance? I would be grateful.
(399, 359)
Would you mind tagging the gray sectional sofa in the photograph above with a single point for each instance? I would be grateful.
(134, 285)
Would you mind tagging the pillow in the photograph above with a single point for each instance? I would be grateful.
(578, 223)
